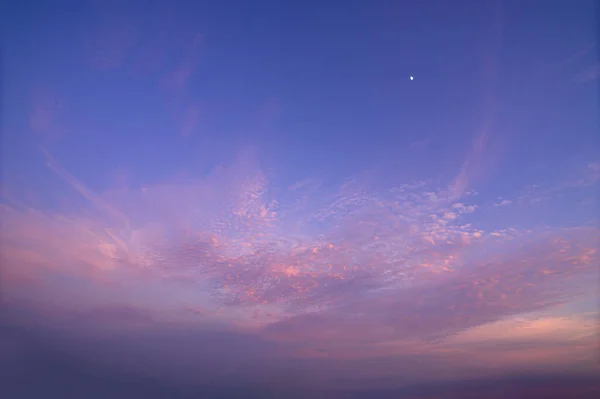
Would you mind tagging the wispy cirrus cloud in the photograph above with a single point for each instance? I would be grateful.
(47, 115)
(589, 74)
(584, 176)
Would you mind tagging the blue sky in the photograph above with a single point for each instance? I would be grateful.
(268, 169)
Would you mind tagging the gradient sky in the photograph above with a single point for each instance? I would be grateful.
(256, 191)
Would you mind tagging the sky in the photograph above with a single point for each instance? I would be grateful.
(255, 198)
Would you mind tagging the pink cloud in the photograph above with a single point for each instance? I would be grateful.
(391, 268)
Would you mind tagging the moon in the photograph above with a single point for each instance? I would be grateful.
(411, 78)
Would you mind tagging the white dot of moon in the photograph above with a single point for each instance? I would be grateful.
(411, 78)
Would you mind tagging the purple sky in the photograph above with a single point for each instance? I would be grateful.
(258, 192)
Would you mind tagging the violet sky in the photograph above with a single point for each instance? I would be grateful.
(256, 190)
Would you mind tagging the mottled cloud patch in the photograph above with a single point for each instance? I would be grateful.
(477, 292)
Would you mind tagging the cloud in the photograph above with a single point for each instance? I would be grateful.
(536, 330)
(590, 74)
(437, 305)
(462, 208)
(190, 120)
(503, 202)
(238, 274)
(581, 176)
(96, 201)
(420, 144)
(46, 117)
(228, 231)
(33, 241)
(558, 67)
(196, 359)
(352, 273)
(177, 80)
(479, 157)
